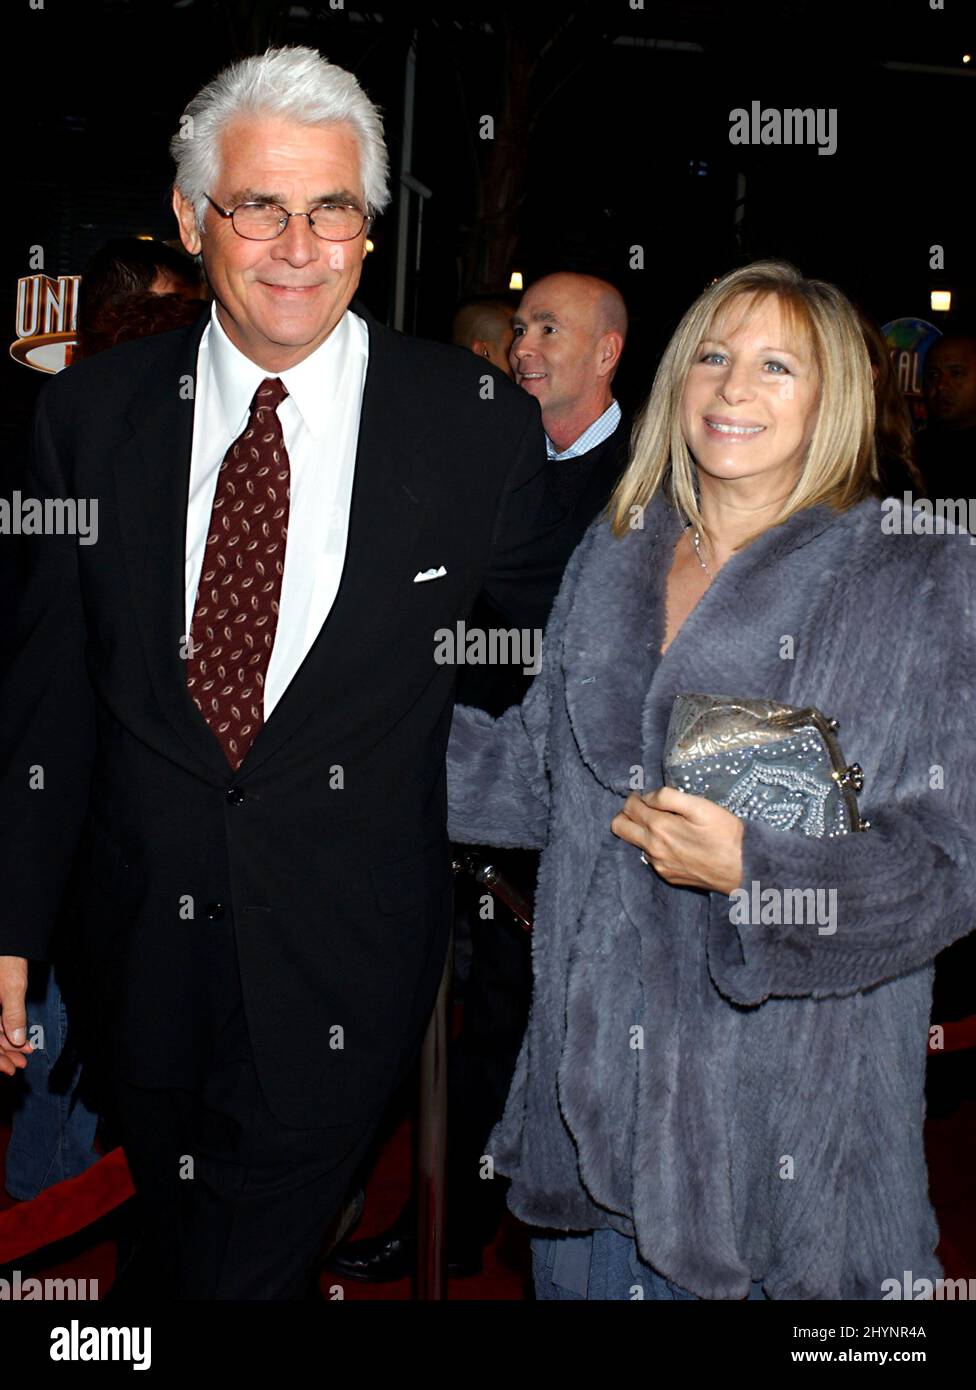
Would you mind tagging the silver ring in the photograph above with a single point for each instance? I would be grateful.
(645, 860)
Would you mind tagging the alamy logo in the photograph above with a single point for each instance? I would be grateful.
(928, 516)
(791, 126)
(774, 907)
(918, 1290)
(78, 1343)
(50, 516)
(16, 1289)
(494, 646)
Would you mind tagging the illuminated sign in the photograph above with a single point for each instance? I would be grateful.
(47, 321)
(908, 342)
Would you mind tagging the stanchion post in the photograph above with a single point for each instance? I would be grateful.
(431, 1274)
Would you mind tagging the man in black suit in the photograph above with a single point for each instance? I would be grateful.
(569, 333)
(227, 714)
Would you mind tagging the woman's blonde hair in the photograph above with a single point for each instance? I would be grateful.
(840, 467)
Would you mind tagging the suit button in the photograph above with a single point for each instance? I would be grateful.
(215, 911)
(235, 795)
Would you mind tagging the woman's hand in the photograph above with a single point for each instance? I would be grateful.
(687, 839)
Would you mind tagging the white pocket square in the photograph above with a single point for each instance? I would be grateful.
(423, 575)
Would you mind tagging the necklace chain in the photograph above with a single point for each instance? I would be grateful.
(696, 541)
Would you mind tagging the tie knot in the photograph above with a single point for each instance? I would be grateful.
(269, 394)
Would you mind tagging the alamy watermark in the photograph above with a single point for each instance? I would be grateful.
(916, 1290)
(17, 1289)
(494, 646)
(50, 516)
(927, 516)
(791, 126)
(777, 907)
(78, 1343)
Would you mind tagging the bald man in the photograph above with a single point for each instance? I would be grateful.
(484, 327)
(569, 333)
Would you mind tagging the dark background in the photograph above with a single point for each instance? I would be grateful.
(611, 131)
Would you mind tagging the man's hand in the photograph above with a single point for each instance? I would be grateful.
(14, 1047)
(688, 840)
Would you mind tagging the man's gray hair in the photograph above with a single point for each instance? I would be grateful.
(295, 83)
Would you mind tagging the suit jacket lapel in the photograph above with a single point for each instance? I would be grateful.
(152, 475)
(390, 483)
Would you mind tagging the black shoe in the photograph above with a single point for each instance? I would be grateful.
(376, 1260)
(392, 1255)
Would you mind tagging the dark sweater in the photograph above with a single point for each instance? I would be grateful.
(579, 488)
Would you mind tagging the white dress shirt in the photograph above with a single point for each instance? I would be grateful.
(320, 422)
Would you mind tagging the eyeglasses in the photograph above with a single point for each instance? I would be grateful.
(265, 221)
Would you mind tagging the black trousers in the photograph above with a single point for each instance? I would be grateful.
(231, 1203)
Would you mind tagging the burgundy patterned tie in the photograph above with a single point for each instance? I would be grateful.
(236, 611)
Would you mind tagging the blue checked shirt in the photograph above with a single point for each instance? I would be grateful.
(593, 435)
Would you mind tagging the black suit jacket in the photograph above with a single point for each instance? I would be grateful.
(571, 510)
(328, 848)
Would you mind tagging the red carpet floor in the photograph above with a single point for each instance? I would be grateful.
(951, 1145)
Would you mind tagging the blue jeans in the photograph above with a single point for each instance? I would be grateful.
(52, 1131)
(601, 1265)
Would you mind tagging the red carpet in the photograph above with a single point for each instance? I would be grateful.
(89, 1255)
(65, 1209)
(951, 1147)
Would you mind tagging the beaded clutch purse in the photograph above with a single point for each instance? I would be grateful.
(764, 761)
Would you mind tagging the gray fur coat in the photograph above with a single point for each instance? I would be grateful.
(767, 1122)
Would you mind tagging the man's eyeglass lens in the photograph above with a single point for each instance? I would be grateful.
(332, 222)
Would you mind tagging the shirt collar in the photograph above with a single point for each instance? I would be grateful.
(312, 384)
(594, 434)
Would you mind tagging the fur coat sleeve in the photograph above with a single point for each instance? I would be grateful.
(904, 888)
(497, 778)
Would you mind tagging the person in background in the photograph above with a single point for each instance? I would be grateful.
(54, 1117)
(569, 332)
(484, 327)
(132, 287)
(894, 438)
(946, 448)
(950, 1077)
